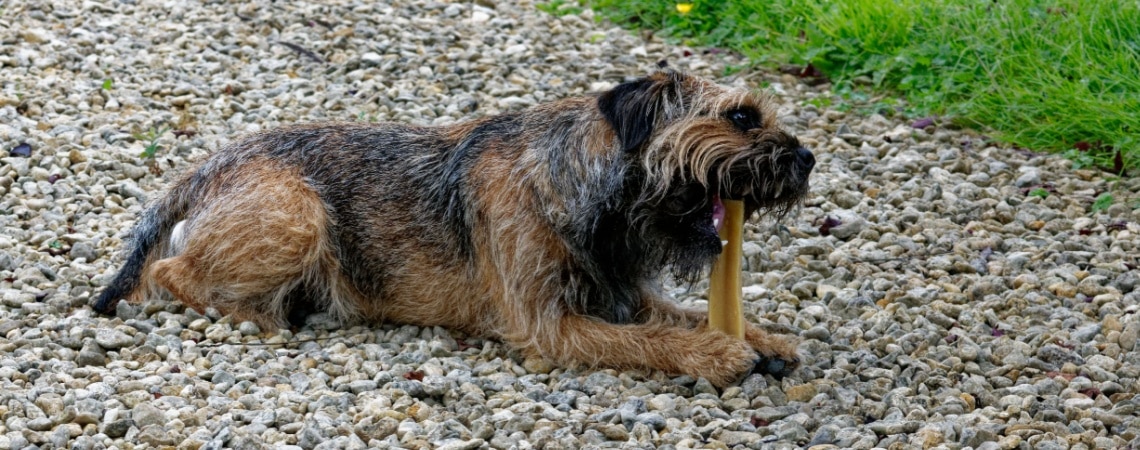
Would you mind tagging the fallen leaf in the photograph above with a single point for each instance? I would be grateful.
(416, 375)
(1091, 392)
(829, 223)
(810, 71)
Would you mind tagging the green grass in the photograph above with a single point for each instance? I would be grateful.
(1046, 75)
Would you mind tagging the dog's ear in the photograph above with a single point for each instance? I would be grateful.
(632, 109)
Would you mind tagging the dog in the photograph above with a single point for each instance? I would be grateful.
(549, 229)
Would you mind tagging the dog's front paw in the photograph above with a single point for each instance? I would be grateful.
(723, 360)
(778, 356)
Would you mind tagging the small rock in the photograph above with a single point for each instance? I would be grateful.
(1031, 177)
(371, 59)
(818, 332)
(88, 411)
(802, 393)
(248, 328)
(157, 436)
(889, 427)
(844, 224)
(83, 249)
(39, 424)
(145, 414)
(773, 413)
(74, 156)
(703, 386)
(653, 420)
(537, 364)
(790, 431)
(16, 299)
(973, 437)
(1129, 336)
(91, 355)
(112, 339)
(1086, 333)
(615, 432)
(118, 428)
(734, 438)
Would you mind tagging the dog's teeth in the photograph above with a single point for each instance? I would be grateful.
(716, 223)
(723, 243)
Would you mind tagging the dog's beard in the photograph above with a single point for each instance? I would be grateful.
(689, 218)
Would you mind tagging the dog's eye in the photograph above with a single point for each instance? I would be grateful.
(744, 119)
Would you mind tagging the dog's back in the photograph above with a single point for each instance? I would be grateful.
(361, 220)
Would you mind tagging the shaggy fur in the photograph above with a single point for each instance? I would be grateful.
(548, 228)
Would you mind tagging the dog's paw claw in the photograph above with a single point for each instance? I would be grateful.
(777, 367)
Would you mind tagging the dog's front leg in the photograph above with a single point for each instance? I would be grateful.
(574, 339)
(779, 356)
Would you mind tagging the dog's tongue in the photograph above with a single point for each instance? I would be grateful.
(718, 213)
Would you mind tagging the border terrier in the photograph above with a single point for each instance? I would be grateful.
(548, 229)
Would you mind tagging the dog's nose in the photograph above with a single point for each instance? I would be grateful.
(805, 159)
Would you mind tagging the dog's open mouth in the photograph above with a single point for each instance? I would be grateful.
(717, 213)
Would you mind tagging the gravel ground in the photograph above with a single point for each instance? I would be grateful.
(939, 305)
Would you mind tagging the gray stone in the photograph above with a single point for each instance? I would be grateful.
(1129, 336)
(653, 420)
(847, 224)
(248, 329)
(771, 414)
(39, 424)
(1030, 177)
(889, 427)
(91, 355)
(219, 440)
(818, 332)
(310, 436)
(973, 437)
(703, 386)
(112, 339)
(1086, 333)
(15, 299)
(734, 438)
(244, 439)
(145, 414)
(156, 436)
(118, 428)
(88, 411)
(84, 250)
(789, 431)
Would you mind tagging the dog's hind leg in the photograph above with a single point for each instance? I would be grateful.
(250, 243)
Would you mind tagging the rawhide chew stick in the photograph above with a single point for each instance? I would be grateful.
(726, 297)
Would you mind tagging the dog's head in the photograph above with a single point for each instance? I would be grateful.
(691, 144)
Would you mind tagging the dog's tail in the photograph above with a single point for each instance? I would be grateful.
(156, 222)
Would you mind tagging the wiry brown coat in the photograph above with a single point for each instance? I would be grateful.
(547, 228)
